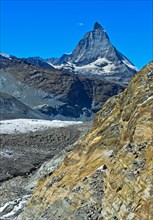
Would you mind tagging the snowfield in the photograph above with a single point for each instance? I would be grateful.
(101, 66)
(31, 125)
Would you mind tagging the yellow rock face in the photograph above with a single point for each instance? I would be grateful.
(109, 174)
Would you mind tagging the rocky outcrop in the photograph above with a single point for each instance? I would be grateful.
(53, 92)
(108, 175)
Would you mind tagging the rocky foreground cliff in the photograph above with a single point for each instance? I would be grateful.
(109, 174)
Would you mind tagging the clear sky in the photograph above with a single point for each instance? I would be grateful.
(48, 28)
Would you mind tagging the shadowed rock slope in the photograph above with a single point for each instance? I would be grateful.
(108, 175)
(53, 92)
(11, 108)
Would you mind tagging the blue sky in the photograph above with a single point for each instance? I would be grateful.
(48, 28)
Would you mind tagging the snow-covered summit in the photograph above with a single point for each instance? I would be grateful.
(96, 47)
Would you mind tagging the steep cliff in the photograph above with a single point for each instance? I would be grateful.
(108, 175)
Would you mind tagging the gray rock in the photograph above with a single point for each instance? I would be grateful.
(97, 56)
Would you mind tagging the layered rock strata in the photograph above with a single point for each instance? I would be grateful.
(108, 175)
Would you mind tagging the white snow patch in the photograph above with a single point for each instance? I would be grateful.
(5, 55)
(50, 64)
(109, 68)
(99, 67)
(99, 61)
(94, 64)
(68, 53)
(31, 125)
(126, 62)
(14, 206)
(95, 67)
(57, 66)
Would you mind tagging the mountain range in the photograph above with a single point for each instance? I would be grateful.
(93, 56)
(73, 86)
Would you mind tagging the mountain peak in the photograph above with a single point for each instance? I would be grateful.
(95, 54)
(97, 26)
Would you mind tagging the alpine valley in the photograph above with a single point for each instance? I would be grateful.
(76, 135)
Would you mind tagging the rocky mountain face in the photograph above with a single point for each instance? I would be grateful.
(11, 108)
(4, 56)
(108, 175)
(95, 55)
(38, 61)
(55, 93)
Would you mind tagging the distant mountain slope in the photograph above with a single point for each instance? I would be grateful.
(108, 175)
(35, 61)
(95, 55)
(11, 108)
(38, 61)
(53, 92)
(4, 56)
